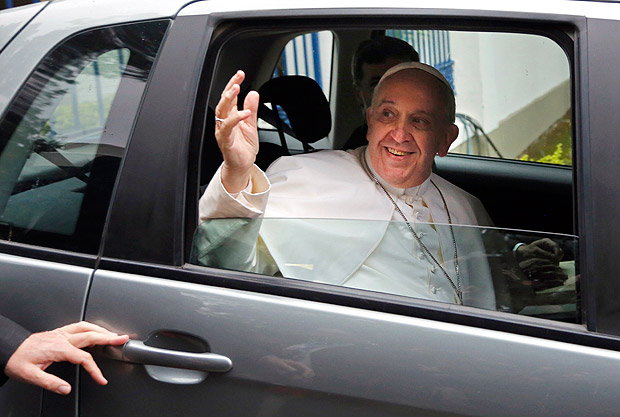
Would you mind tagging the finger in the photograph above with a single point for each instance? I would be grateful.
(558, 253)
(81, 340)
(550, 248)
(85, 326)
(229, 95)
(305, 370)
(40, 378)
(287, 366)
(85, 359)
(544, 285)
(228, 102)
(251, 103)
(237, 78)
(224, 131)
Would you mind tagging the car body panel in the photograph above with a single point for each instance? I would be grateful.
(13, 20)
(40, 295)
(359, 362)
(62, 19)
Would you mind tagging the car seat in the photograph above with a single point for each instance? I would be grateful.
(304, 108)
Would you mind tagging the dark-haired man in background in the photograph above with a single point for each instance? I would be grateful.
(371, 60)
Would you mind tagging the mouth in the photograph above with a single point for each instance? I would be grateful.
(398, 153)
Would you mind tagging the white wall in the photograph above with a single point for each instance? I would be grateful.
(498, 75)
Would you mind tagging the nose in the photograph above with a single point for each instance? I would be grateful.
(399, 133)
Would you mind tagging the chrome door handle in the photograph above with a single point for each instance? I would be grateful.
(135, 351)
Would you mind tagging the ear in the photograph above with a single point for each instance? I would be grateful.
(450, 135)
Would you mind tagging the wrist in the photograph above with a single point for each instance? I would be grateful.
(233, 180)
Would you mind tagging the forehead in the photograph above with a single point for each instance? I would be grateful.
(410, 84)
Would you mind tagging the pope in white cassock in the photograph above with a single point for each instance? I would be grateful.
(412, 246)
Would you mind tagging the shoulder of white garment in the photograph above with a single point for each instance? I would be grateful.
(325, 184)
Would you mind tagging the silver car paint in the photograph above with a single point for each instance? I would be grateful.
(63, 18)
(39, 295)
(382, 363)
(12, 20)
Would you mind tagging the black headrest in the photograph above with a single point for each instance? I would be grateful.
(304, 103)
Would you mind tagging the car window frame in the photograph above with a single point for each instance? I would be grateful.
(164, 265)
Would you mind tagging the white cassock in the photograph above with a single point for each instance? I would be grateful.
(373, 249)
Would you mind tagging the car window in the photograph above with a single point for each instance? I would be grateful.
(500, 104)
(512, 92)
(61, 149)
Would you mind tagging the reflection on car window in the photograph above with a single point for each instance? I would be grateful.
(521, 272)
(58, 165)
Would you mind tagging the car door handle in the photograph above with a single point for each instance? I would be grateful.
(135, 351)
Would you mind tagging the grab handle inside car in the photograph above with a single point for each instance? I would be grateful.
(135, 351)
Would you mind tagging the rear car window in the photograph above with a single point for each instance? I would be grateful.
(65, 134)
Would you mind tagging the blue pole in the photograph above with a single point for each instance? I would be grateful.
(303, 39)
(295, 56)
(284, 64)
(316, 52)
(9, 4)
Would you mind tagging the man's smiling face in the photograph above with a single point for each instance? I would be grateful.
(408, 123)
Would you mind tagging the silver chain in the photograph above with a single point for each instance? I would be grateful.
(457, 286)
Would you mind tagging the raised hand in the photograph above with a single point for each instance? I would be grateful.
(237, 134)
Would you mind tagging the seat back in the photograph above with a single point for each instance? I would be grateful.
(307, 115)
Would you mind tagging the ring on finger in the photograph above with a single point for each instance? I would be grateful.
(218, 121)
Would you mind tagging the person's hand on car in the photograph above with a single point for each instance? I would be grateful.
(237, 134)
(40, 350)
(539, 261)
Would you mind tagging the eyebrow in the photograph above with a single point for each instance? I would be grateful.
(387, 102)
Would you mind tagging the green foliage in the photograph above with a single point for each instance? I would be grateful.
(554, 146)
(558, 157)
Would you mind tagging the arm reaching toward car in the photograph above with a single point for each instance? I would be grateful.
(40, 350)
(237, 135)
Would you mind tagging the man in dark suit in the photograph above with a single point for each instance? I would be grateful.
(24, 356)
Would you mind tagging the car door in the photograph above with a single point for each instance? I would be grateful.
(222, 342)
(63, 135)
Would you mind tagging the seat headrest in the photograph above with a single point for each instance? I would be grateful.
(304, 103)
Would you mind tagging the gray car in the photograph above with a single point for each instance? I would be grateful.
(107, 142)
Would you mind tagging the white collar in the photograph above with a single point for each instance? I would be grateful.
(417, 191)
